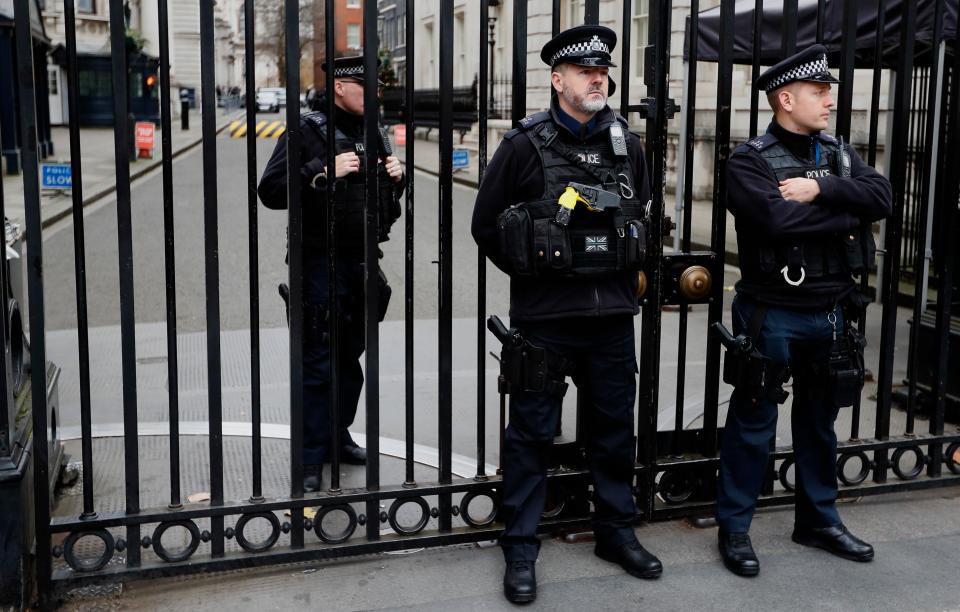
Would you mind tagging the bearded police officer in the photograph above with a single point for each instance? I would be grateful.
(804, 203)
(561, 210)
(348, 208)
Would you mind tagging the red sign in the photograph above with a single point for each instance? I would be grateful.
(400, 134)
(144, 131)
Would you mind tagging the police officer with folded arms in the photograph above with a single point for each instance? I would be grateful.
(804, 203)
(561, 210)
(348, 211)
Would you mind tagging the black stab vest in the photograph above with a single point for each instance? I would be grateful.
(592, 243)
(825, 262)
(349, 195)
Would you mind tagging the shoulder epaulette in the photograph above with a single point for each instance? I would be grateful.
(512, 133)
(761, 142)
(531, 120)
(317, 118)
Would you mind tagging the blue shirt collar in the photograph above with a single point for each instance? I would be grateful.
(576, 128)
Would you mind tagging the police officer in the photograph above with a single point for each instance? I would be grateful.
(573, 256)
(803, 203)
(348, 207)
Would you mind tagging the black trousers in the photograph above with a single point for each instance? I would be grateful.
(604, 353)
(317, 355)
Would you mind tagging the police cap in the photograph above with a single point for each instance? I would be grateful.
(807, 65)
(586, 45)
(348, 68)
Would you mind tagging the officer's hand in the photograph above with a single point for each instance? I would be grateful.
(347, 163)
(801, 190)
(392, 164)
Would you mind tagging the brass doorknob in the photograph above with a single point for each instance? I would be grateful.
(695, 283)
(641, 284)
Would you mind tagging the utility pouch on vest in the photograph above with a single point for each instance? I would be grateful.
(636, 244)
(551, 245)
(527, 367)
(845, 367)
(516, 240)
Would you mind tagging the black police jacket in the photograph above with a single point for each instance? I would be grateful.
(313, 156)
(515, 174)
(764, 219)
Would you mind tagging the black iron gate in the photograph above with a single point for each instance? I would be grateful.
(676, 467)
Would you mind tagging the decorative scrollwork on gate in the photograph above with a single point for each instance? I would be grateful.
(485, 521)
(179, 555)
(950, 458)
(865, 465)
(79, 564)
(916, 470)
(783, 475)
(335, 538)
(677, 486)
(421, 522)
(262, 545)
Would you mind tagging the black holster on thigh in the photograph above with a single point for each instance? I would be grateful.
(528, 367)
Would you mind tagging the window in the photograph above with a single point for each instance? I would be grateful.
(573, 14)
(353, 3)
(53, 81)
(86, 6)
(353, 36)
(401, 33)
(640, 25)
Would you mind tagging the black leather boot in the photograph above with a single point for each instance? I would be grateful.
(520, 581)
(353, 454)
(632, 557)
(312, 477)
(836, 540)
(737, 554)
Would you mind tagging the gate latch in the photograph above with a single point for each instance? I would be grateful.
(648, 108)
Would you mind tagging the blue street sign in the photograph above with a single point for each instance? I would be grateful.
(461, 159)
(56, 176)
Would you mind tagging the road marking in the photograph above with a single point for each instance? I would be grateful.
(264, 128)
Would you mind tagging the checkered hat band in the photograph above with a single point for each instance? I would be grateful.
(579, 48)
(798, 73)
(346, 72)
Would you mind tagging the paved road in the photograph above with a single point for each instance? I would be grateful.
(147, 212)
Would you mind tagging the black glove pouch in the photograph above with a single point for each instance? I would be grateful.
(516, 240)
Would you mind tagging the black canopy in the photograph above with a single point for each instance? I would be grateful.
(772, 29)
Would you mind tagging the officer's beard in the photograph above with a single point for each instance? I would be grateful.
(587, 103)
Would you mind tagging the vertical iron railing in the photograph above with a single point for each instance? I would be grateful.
(249, 64)
(719, 223)
(169, 255)
(894, 232)
(408, 244)
(121, 140)
(291, 10)
(371, 267)
(80, 269)
(945, 272)
(922, 206)
(333, 299)
(481, 258)
(208, 110)
(649, 366)
(445, 281)
(38, 351)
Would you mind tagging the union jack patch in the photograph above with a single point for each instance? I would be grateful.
(595, 244)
